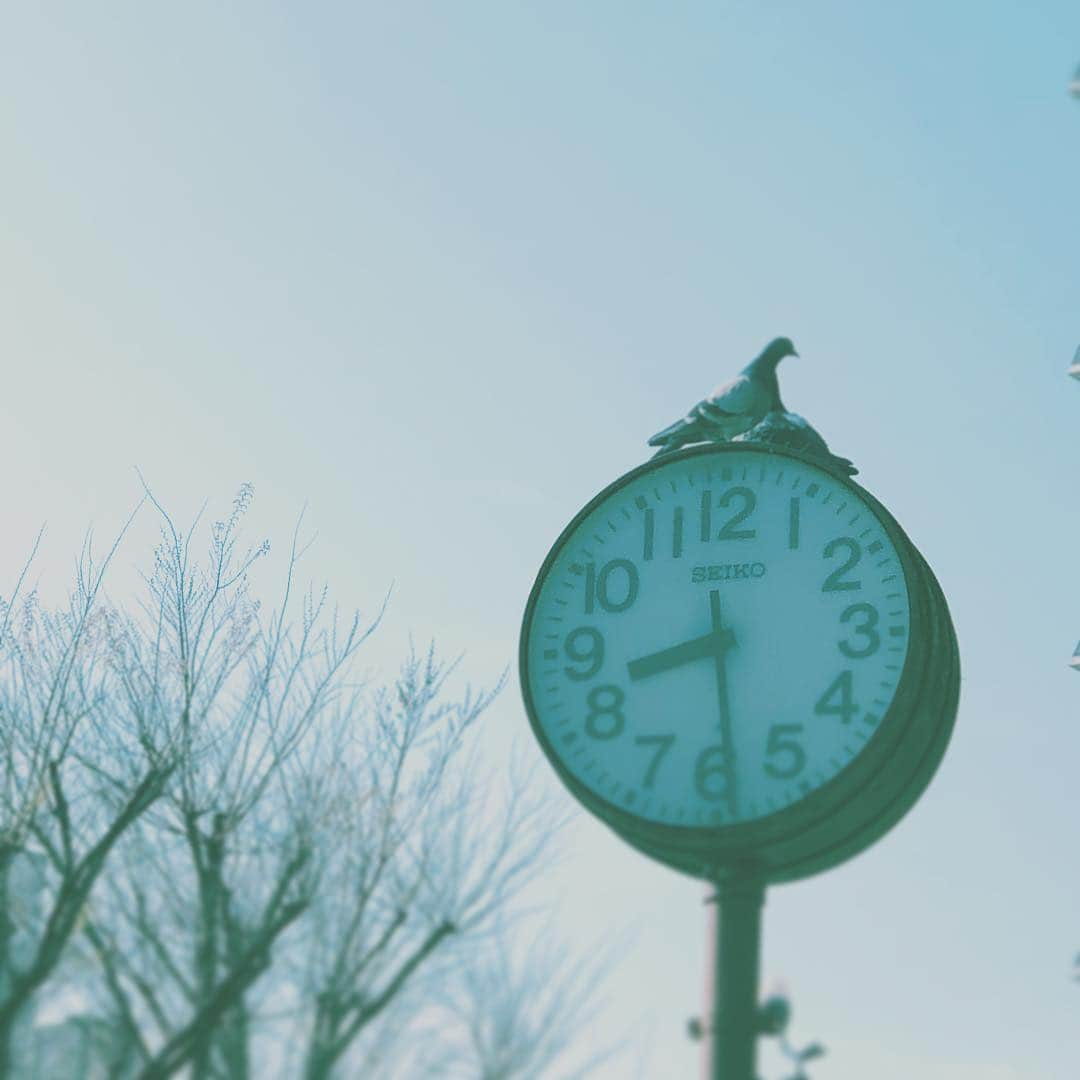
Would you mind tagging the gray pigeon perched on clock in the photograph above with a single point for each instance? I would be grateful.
(733, 407)
(749, 409)
(789, 431)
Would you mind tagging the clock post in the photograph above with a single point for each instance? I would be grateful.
(737, 660)
(734, 1026)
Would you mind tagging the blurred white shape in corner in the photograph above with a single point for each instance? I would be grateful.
(1074, 367)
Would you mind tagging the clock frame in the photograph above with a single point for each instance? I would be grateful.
(851, 809)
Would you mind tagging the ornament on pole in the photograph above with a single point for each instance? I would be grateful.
(773, 1018)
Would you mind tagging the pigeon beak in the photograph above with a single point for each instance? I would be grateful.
(794, 353)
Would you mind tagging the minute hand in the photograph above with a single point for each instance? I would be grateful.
(708, 645)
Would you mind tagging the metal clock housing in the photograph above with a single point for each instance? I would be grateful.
(738, 660)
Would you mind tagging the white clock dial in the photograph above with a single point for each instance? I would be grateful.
(716, 638)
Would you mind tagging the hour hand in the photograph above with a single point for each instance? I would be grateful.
(696, 649)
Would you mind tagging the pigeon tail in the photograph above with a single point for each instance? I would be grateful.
(668, 448)
(671, 433)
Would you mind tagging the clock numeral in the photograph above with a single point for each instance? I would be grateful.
(782, 741)
(835, 581)
(793, 523)
(749, 501)
(605, 719)
(706, 516)
(584, 645)
(678, 518)
(864, 629)
(676, 532)
(599, 590)
(711, 773)
(828, 705)
(663, 744)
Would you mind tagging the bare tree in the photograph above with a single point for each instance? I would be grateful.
(295, 860)
(234, 704)
(515, 1011)
(426, 859)
(76, 774)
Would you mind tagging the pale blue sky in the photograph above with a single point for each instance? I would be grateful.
(438, 270)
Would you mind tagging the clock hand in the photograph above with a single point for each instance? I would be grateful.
(727, 736)
(714, 644)
(696, 649)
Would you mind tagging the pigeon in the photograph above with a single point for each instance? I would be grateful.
(789, 431)
(732, 408)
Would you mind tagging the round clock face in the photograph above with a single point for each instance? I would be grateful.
(715, 637)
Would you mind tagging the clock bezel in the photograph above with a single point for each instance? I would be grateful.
(827, 812)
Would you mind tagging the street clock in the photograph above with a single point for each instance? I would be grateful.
(735, 657)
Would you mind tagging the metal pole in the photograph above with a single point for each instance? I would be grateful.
(737, 951)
